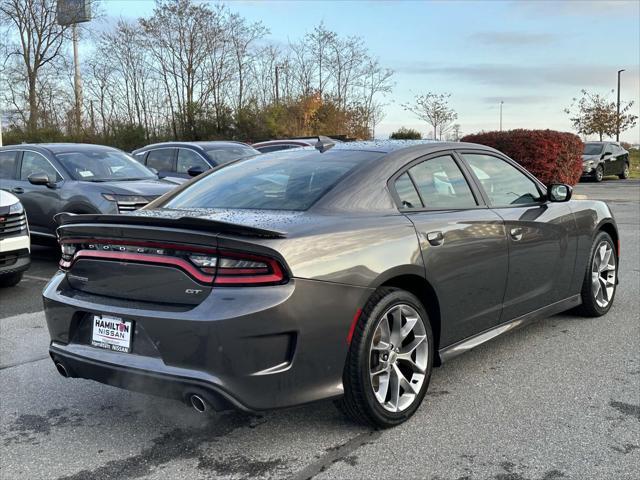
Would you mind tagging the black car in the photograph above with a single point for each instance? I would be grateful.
(189, 159)
(78, 178)
(600, 159)
(345, 272)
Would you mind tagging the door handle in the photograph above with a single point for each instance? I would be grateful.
(516, 233)
(17, 190)
(435, 238)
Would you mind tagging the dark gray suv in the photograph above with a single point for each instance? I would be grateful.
(76, 178)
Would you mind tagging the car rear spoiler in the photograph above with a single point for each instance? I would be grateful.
(199, 224)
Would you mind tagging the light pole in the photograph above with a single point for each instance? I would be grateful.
(501, 102)
(618, 109)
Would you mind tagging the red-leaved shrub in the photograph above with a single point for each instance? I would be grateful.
(553, 157)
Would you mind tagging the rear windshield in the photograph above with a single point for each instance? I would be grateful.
(592, 148)
(229, 154)
(284, 180)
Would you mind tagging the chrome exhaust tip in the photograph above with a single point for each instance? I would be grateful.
(61, 369)
(198, 403)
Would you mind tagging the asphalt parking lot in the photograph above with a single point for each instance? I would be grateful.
(559, 399)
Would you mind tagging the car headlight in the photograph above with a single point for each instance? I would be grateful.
(16, 208)
(125, 198)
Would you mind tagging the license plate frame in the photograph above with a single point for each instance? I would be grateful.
(111, 333)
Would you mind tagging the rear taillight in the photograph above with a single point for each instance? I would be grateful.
(206, 265)
(247, 269)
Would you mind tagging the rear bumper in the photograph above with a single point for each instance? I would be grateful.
(252, 348)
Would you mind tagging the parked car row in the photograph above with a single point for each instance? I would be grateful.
(38, 181)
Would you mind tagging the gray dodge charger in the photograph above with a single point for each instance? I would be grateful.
(346, 272)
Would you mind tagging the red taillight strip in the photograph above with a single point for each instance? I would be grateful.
(137, 243)
(144, 258)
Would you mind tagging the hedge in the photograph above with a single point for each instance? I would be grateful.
(549, 155)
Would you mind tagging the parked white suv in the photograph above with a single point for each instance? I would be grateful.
(15, 243)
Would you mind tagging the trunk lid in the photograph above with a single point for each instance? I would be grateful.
(160, 257)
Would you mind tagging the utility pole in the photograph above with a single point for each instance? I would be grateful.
(501, 102)
(77, 79)
(277, 85)
(618, 109)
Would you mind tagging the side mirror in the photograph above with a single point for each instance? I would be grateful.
(604, 156)
(41, 178)
(559, 192)
(195, 171)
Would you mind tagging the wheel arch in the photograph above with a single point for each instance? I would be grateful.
(610, 228)
(421, 288)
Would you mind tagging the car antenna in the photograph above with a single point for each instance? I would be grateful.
(324, 143)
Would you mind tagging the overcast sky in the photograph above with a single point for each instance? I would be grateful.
(534, 55)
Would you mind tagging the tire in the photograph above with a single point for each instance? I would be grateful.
(360, 402)
(599, 175)
(10, 280)
(625, 172)
(594, 294)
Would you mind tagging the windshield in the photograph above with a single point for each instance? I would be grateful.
(284, 180)
(592, 148)
(229, 154)
(103, 165)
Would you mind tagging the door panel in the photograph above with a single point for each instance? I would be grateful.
(542, 255)
(468, 269)
(463, 245)
(541, 234)
(40, 201)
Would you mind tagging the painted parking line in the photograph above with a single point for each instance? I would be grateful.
(34, 277)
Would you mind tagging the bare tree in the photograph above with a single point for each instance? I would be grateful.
(39, 42)
(434, 109)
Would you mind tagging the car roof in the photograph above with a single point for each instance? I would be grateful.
(61, 147)
(389, 146)
(201, 145)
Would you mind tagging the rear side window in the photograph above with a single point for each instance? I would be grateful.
(441, 184)
(33, 162)
(285, 180)
(407, 192)
(8, 164)
(161, 159)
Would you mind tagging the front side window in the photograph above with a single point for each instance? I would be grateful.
(161, 159)
(189, 159)
(608, 150)
(102, 165)
(286, 180)
(441, 184)
(504, 184)
(8, 164)
(33, 162)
